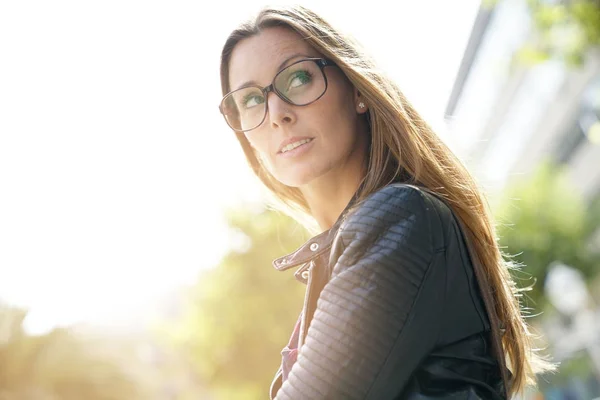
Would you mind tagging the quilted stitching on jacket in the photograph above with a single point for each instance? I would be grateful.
(366, 305)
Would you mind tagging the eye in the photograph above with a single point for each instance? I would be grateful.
(253, 100)
(300, 78)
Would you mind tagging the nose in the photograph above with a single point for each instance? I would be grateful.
(280, 112)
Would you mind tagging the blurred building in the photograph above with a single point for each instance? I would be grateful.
(506, 117)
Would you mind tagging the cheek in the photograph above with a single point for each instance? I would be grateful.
(260, 146)
(338, 119)
(256, 142)
(339, 110)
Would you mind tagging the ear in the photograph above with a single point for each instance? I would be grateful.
(359, 102)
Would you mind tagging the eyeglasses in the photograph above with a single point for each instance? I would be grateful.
(299, 84)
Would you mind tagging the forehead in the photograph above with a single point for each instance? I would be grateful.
(258, 58)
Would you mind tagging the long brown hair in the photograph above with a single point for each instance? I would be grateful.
(403, 148)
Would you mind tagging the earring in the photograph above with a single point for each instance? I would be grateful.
(361, 105)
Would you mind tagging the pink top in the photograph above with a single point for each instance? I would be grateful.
(289, 354)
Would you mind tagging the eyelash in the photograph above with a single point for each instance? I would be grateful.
(308, 74)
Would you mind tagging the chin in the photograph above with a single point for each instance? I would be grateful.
(294, 182)
(295, 178)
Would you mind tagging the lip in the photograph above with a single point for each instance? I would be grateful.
(298, 151)
(292, 140)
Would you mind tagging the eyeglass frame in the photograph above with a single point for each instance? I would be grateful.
(321, 63)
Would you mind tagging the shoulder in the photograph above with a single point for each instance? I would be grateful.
(397, 203)
(399, 213)
(388, 202)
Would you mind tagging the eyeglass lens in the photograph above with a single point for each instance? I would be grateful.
(299, 84)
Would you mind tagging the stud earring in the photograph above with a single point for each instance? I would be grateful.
(361, 105)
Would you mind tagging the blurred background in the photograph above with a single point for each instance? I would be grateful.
(136, 247)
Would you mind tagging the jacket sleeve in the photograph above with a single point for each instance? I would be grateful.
(379, 314)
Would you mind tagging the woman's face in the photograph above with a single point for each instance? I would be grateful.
(334, 135)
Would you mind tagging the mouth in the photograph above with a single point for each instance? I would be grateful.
(295, 145)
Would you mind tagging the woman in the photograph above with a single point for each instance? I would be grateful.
(407, 292)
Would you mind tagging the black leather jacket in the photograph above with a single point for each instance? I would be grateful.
(392, 307)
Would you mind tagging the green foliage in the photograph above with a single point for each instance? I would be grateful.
(241, 313)
(55, 366)
(544, 220)
(578, 365)
(227, 344)
(565, 30)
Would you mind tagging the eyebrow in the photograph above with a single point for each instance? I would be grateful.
(279, 68)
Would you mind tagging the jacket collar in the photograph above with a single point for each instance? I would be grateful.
(315, 246)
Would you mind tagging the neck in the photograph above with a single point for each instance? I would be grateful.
(329, 195)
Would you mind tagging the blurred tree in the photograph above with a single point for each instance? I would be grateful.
(543, 220)
(55, 366)
(241, 313)
(565, 30)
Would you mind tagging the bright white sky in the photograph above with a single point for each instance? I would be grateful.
(115, 165)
